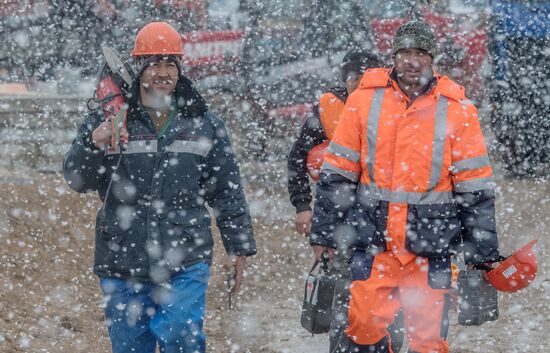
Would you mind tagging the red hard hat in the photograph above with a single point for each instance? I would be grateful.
(158, 38)
(315, 159)
(517, 271)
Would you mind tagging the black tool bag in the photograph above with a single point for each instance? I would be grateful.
(318, 297)
(478, 301)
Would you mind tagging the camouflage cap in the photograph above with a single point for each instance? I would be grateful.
(415, 35)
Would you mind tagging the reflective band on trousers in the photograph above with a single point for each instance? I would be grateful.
(416, 198)
(142, 146)
(344, 152)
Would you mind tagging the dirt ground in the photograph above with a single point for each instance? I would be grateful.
(50, 300)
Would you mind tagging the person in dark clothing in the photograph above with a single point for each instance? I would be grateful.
(319, 128)
(153, 245)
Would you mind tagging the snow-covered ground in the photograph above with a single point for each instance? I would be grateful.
(50, 301)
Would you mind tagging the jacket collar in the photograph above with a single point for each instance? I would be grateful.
(440, 85)
(425, 90)
(375, 78)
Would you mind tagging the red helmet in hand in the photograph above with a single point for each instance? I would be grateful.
(517, 271)
(315, 159)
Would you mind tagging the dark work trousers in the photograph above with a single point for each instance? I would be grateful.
(339, 341)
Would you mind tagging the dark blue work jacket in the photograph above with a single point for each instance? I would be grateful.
(155, 222)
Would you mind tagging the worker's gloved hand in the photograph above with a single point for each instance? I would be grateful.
(302, 222)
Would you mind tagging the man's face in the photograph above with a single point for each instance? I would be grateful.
(414, 67)
(352, 81)
(160, 77)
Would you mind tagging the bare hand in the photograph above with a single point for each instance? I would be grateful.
(302, 222)
(318, 251)
(236, 266)
(124, 135)
(101, 136)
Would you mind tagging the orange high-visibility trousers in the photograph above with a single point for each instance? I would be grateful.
(390, 286)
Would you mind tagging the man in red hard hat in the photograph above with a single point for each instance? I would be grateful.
(153, 245)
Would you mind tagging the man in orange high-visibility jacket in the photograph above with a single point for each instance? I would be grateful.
(408, 169)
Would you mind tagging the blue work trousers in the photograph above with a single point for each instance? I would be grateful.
(141, 314)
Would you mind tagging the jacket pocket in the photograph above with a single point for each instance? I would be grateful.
(433, 230)
(439, 272)
(369, 217)
(118, 248)
(111, 230)
(183, 225)
(187, 237)
(361, 265)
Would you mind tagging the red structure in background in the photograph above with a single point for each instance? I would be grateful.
(207, 53)
(18, 7)
(196, 8)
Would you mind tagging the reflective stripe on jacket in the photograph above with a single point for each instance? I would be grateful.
(416, 156)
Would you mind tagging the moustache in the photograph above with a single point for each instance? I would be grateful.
(164, 80)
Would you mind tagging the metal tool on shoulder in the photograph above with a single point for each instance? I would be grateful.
(318, 297)
(117, 66)
(115, 80)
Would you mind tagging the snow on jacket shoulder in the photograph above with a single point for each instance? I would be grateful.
(156, 221)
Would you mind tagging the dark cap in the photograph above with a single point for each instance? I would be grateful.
(141, 62)
(358, 61)
(415, 35)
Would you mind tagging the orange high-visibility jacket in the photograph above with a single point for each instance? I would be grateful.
(330, 109)
(309, 147)
(419, 155)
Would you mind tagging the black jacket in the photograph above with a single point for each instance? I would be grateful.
(311, 134)
(156, 221)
